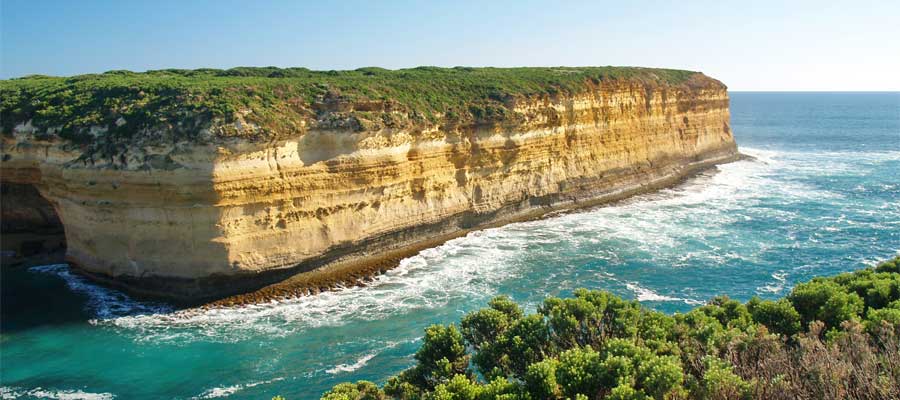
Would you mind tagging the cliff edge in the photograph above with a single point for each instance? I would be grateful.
(196, 184)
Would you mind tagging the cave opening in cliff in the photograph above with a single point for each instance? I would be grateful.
(29, 225)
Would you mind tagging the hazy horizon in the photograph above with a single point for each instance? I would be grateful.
(766, 46)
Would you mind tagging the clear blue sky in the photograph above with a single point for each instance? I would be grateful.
(749, 45)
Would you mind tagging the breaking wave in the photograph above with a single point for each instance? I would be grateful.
(777, 286)
(226, 391)
(644, 294)
(351, 367)
(41, 393)
(681, 227)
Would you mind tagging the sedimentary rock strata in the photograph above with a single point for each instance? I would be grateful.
(191, 218)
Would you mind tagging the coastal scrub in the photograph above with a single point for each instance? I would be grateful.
(834, 337)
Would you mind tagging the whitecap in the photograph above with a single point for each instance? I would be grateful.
(645, 294)
(461, 268)
(777, 286)
(226, 391)
(361, 362)
(651, 226)
(7, 392)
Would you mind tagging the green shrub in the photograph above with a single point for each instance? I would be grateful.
(540, 379)
(826, 301)
(829, 338)
(580, 371)
(889, 266)
(720, 381)
(442, 356)
(779, 316)
(362, 390)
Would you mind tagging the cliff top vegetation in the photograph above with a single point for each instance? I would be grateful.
(268, 102)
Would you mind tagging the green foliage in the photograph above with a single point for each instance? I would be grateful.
(826, 301)
(720, 381)
(442, 356)
(362, 390)
(831, 337)
(486, 325)
(580, 371)
(889, 315)
(278, 100)
(625, 392)
(889, 266)
(461, 387)
(540, 379)
(779, 316)
(730, 313)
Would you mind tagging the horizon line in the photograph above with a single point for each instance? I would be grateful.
(815, 91)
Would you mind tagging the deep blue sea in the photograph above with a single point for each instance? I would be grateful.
(822, 197)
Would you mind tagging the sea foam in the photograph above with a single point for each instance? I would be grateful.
(653, 226)
(42, 393)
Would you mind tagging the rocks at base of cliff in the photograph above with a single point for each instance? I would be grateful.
(224, 218)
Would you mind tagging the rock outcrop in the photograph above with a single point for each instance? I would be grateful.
(198, 219)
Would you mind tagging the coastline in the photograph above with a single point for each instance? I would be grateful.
(360, 270)
(324, 204)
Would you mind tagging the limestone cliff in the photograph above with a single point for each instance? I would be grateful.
(204, 214)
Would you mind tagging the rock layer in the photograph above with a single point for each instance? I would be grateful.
(203, 220)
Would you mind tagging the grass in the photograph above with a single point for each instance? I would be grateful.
(169, 105)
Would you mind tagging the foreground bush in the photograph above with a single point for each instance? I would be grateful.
(831, 338)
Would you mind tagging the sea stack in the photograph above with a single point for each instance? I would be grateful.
(196, 184)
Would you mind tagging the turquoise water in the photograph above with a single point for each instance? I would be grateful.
(822, 197)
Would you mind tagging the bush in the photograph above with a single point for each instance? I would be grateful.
(836, 337)
(580, 371)
(826, 301)
(362, 390)
(540, 379)
(779, 316)
(441, 357)
(890, 266)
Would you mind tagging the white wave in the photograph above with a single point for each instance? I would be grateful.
(226, 391)
(102, 302)
(873, 155)
(460, 268)
(777, 286)
(361, 362)
(467, 267)
(653, 226)
(7, 392)
(644, 294)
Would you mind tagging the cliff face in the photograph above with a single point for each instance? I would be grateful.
(197, 220)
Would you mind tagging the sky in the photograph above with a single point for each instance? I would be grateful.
(749, 45)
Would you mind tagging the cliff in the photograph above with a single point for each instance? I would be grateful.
(198, 184)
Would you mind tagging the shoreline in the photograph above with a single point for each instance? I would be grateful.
(362, 269)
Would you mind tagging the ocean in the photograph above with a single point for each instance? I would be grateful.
(821, 197)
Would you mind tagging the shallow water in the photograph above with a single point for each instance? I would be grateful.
(822, 197)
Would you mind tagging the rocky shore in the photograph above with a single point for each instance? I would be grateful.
(287, 195)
